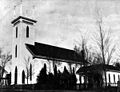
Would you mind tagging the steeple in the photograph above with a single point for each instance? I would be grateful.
(23, 32)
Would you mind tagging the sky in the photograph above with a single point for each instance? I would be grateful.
(60, 22)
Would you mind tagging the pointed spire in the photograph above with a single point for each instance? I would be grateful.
(16, 6)
(14, 13)
(21, 2)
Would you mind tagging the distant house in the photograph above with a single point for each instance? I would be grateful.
(112, 73)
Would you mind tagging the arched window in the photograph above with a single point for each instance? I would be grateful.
(27, 31)
(16, 51)
(16, 32)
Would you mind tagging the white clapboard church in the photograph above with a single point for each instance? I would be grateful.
(24, 46)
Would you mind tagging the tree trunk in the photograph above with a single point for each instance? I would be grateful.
(30, 72)
(105, 77)
(27, 76)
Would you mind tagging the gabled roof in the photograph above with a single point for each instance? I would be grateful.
(45, 51)
(97, 67)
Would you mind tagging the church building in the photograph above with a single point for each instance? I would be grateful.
(25, 49)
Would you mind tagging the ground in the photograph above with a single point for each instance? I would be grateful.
(20, 90)
(107, 89)
(7, 90)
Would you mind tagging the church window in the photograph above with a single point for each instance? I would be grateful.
(16, 51)
(114, 77)
(27, 31)
(118, 77)
(16, 32)
(109, 77)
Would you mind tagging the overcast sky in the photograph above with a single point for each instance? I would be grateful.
(60, 22)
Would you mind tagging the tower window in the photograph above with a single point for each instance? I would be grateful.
(16, 32)
(27, 31)
(16, 51)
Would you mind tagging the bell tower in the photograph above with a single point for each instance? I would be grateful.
(23, 32)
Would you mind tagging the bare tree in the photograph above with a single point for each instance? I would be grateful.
(84, 53)
(118, 54)
(29, 69)
(96, 58)
(117, 64)
(103, 41)
(88, 54)
(83, 50)
(4, 59)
